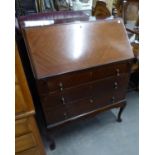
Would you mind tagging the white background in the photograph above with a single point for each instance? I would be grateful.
(147, 77)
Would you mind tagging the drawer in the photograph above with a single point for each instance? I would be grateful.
(63, 81)
(21, 127)
(81, 107)
(51, 100)
(54, 115)
(103, 87)
(76, 93)
(110, 70)
(110, 90)
(103, 99)
(66, 96)
(120, 89)
(108, 99)
(25, 142)
(33, 151)
(110, 85)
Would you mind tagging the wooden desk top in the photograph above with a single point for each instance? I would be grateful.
(62, 48)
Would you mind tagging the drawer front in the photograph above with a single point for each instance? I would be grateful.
(25, 142)
(110, 70)
(22, 127)
(102, 100)
(66, 96)
(102, 87)
(80, 107)
(77, 93)
(51, 100)
(63, 81)
(33, 151)
(120, 88)
(114, 85)
(56, 114)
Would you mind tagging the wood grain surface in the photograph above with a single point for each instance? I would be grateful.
(62, 48)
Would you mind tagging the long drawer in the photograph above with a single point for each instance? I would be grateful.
(58, 83)
(61, 113)
(109, 86)
(61, 82)
(67, 96)
(77, 108)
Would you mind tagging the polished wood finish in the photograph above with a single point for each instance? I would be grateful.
(80, 46)
(27, 138)
(25, 142)
(22, 127)
(80, 69)
(23, 102)
(60, 104)
(33, 151)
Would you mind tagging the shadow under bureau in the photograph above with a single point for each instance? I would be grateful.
(79, 68)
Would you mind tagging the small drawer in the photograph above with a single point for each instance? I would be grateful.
(25, 142)
(56, 114)
(33, 151)
(110, 70)
(21, 127)
(63, 81)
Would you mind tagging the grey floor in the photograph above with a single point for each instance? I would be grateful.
(102, 135)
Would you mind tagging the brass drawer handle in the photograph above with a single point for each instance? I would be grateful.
(65, 115)
(91, 101)
(113, 99)
(63, 100)
(115, 85)
(117, 72)
(61, 86)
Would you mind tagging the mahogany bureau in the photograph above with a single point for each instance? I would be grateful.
(80, 68)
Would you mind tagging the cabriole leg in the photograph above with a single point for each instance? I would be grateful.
(120, 112)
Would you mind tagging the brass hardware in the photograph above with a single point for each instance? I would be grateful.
(91, 101)
(115, 85)
(118, 72)
(63, 100)
(113, 99)
(61, 86)
(65, 115)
